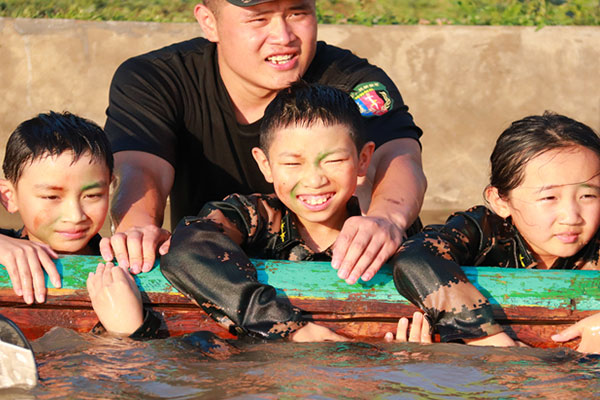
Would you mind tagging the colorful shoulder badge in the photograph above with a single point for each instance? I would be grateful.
(372, 98)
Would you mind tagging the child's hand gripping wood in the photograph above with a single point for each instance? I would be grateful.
(25, 262)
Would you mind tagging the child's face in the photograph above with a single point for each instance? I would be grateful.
(62, 203)
(314, 171)
(557, 206)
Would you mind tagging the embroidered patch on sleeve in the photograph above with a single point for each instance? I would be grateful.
(372, 98)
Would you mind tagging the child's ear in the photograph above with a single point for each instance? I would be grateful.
(498, 204)
(8, 196)
(263, 163)
(364, 158)
(208, 22)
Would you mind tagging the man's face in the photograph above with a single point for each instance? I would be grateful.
(314, 171)
(63, 203)
(264, 48)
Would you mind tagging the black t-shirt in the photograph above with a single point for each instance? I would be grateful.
(172, 103)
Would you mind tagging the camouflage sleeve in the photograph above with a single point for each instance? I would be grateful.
(427, 272)
(206, 263)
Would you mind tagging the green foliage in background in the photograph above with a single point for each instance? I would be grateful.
(362, 12)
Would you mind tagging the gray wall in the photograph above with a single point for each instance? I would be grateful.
(464, 85)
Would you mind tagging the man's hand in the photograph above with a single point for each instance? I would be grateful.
(397, 187)
(116, 299)
(26, 262)
(312, 332)
(589, 331)
(136, 248)
(363, 246)
(419, 330)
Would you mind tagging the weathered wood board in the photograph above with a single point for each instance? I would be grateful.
(533, 303)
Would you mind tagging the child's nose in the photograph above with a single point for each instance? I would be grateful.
(73, 212)
(570, 213)
(315, 178)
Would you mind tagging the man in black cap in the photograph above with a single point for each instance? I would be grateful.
(183, 119)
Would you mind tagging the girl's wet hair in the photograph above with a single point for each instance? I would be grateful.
(531, 136)
(304, 105)
(52, 134)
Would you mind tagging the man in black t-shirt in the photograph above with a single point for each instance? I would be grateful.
(183, 119)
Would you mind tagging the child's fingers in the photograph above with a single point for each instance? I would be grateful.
(402, 330)
(389, 337)
(90, 284)
(425, 331)
(49, 267)
(416, 327)
(25, 276)
(13, 275)
(37, 276)
(107, 277)
(565, 335)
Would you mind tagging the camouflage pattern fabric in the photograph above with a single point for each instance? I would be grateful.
(427, 269)
(209, 261)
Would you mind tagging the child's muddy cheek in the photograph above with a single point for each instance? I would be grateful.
(294, 191)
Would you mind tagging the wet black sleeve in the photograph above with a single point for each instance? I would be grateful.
(427, 272)
(148, 330)
(208, 265)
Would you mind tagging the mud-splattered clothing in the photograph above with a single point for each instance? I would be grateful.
(209, 261)
(427, 272)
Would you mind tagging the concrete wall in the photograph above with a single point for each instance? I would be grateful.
(464, 85)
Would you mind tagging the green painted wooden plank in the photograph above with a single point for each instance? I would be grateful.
(317, 280)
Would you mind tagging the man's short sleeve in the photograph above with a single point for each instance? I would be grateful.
(142, 111)
(380, 103)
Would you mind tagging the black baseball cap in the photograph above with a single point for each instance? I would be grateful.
(247, 3)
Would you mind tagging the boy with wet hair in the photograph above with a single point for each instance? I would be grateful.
(312, 150)
(57, 168)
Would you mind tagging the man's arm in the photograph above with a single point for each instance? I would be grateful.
(143, 182)
(399, 184)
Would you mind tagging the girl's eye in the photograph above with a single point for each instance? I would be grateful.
(589, 196)
(50, 197)
(336, 161)
(548, 198)
(291, 164)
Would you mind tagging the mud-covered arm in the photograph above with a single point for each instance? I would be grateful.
(427, 272)
(207, 263)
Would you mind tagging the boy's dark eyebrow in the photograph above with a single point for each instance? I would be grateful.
(47, 187)
(297, 155)
(94, 185)
(60, 188)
